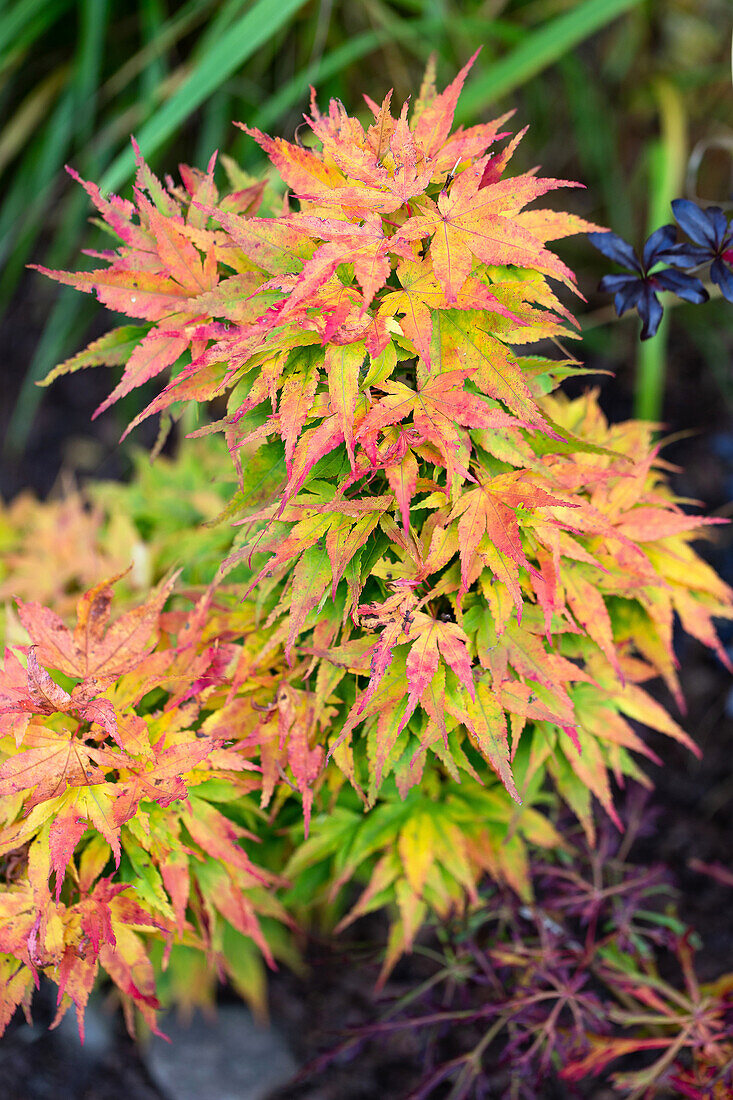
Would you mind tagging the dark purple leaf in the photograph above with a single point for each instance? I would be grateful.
(629, 297)
(615, 249)
(722, 275)
(660, 241)
(686, 255)
(609, 284)
(704, 227)
(650, 311)
(683, 285)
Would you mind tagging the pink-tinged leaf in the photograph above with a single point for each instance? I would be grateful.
(312, 446)
(102, 713)
(402, 477)
(240, 912)
(572, 732)
(343, 540)
(586, 760)
(485, 718)
(49, 769)
(589, 608)
(65, 833)
(697, 621)
(311, 578)
(452, 644)
(552, 225)
(306, 762)
(179, 256)
(296, 401)
(635, 702)
(496, 371)
(434, 122)
(422, 660)
(395, 615)
(176, 879)
(647, 524)
(470, 223)
(118, 214)
(302, 169)
(142, 294)
(156, 352)
(482, 513)
(44, 693)
(526, 653)
(146, 180)
(269, 243)
(91, 651)
(219, 837)
(197, 382)
(343, 363)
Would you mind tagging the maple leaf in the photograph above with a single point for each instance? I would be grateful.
(470, 222)
(589, 608)
(421, 294)
(433, 637)
(433, 115)
(496, 371)
(483, 512)
(407, 480)
(94, 650)
(439, 410)
(52, 763)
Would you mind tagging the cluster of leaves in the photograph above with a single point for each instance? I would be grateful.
(454, 580)
(711, 243)
(562, 990)
(111, 790)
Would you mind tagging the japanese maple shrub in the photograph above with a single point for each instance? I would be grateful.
(452, 581)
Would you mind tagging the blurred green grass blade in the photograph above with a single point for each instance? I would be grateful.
(152, 25)
(92, 16)
(216, 118)
(69, 316)
(540, 48)
(26, 21)
(80, 114)
(178, 25)
(668, 159)
(220, 61)
(333, 63)
(651, 359)
(42, 165)
(597, 145)
(20, 127)
(25, 204)
(328, 66)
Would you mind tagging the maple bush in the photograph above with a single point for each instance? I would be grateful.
(448, 582)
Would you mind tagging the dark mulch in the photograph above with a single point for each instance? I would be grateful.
(39, 1064)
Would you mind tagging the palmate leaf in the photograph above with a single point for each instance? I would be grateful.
(94, 650)
(472, 222)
